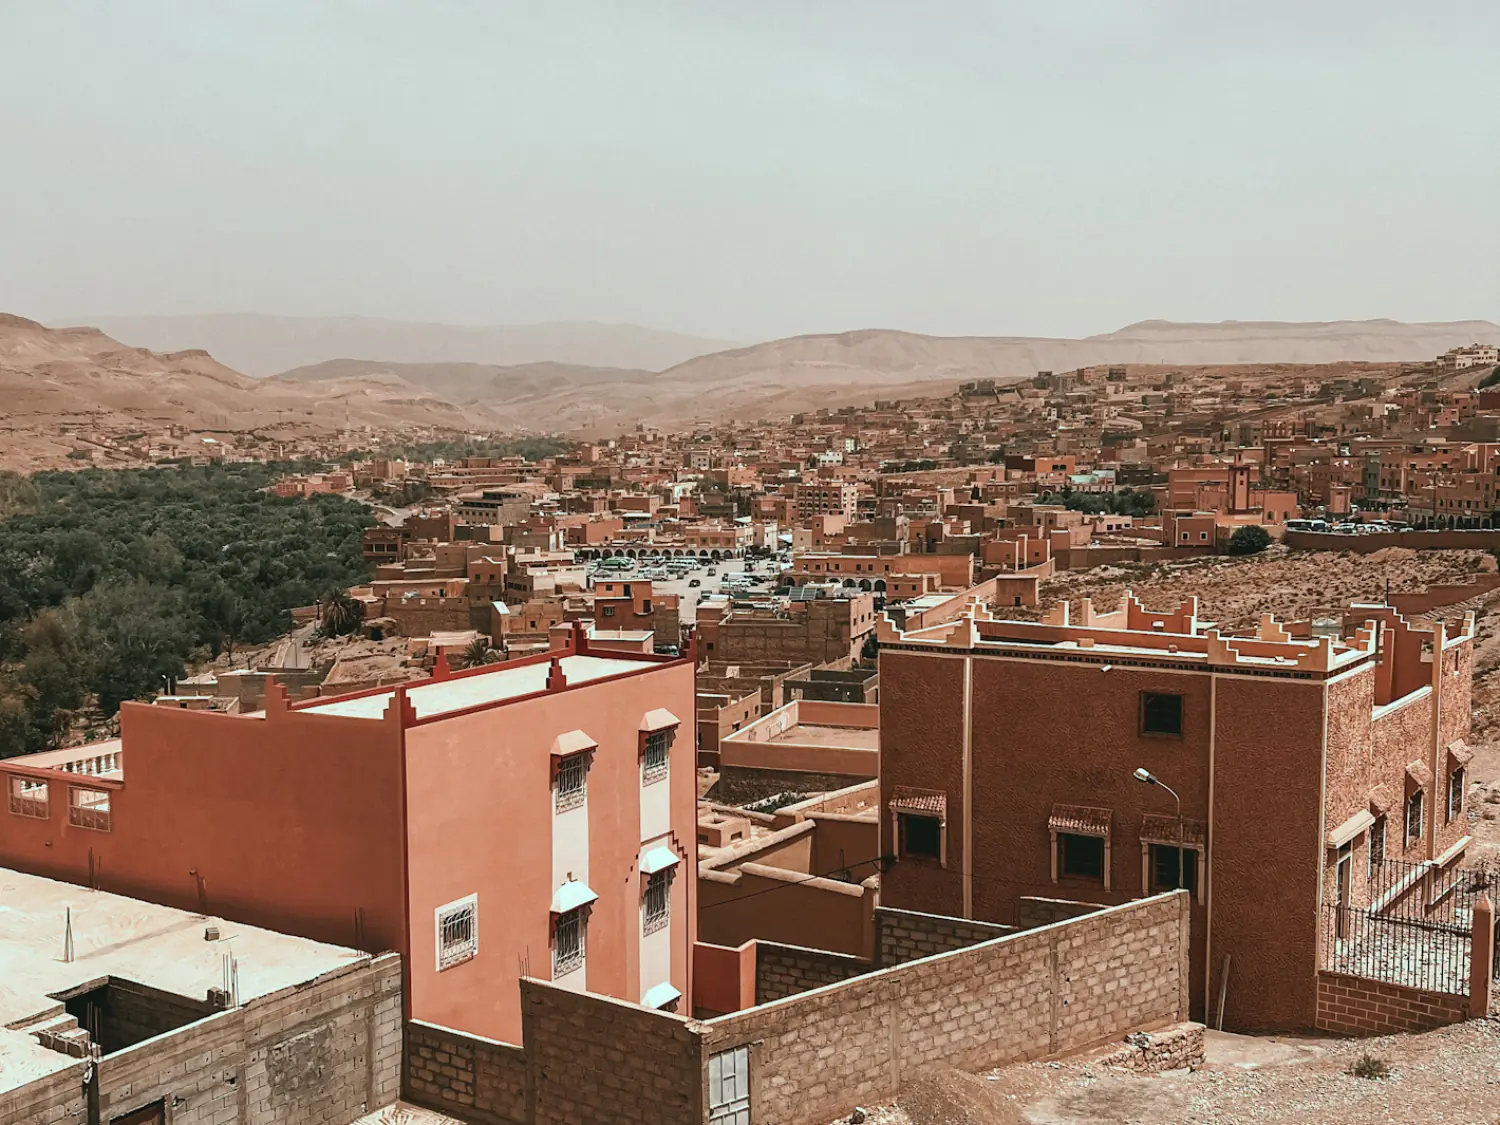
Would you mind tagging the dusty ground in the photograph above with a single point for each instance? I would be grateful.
(1445, 1077)
(1291, 584)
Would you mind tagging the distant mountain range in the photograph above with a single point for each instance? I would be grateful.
(53, 376)
(265, 345)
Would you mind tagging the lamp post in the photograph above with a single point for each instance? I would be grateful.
(1146, 777)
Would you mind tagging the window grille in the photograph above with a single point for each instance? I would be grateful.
(1455, 792)
(457, 932)
(572, 781)
(28, 797)
(658, 910)
(1414, 816)
(655, 763)
(567, 947)
(89, 808)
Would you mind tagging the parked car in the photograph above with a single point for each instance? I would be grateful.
(694, 582)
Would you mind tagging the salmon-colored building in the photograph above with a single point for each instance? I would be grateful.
(1304, 763)
(531, 818)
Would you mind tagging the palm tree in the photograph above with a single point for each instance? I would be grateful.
(340, 613)
(478, 653)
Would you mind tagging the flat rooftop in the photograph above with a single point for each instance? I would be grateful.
(114, 936)
(823, 734)
(500, 682)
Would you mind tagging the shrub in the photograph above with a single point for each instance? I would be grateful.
(1249, 540)
(1370, 1066)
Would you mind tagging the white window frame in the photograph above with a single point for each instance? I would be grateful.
(459, 951)
(574, 766)
(657, 915)
(573, 961)
(654, 771)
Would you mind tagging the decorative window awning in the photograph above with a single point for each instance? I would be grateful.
(571, 895)
(1460, 751)
(1418, 774)
(660, 996)
(659, 858)
(919, 802)
(1169, 830)
(658, 719)
(1351, 828)
(573, 742)
(1080, 820)
(1384, 798)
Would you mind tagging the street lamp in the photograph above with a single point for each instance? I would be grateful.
(1146, 777)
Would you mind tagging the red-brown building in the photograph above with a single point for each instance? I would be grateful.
(1304, 763)
(521, 819)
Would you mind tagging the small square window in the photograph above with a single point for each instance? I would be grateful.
(568, 943)
(921, 836)
(1080, 857)
(457, 932)
(28, 797)
(572, 782)
(1161, 713)
(88, 808)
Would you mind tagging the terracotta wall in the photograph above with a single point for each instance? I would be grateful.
(772, 904)
(1477, 540)
(292, 822)
(1356, 1006)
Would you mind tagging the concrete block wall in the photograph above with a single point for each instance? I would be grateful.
(131, 1012)
(476, 1079)
(907, 935)
(57, 1099)
(593, 1060)
(1032, 912)
(1058, 989)
(786, 970)
(323, 1053)
(1357, 1006)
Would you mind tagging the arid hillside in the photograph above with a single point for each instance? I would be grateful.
(60, 382)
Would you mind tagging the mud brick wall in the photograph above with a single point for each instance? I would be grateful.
(1066, 987)
(476, 1079)
(325, 1052)
(906, 935)
(1356, 1006)
(598, 1061)
(1032, 912)
(786, 970)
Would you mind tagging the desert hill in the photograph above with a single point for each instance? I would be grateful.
(265, 345)
(57, 381)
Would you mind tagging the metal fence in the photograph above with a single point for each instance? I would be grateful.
(1412, 926)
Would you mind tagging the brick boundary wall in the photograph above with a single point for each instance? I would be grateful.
(1032, 911)
(907, 935)
(1063, 988)
(1350, 1005)
(479, 1080)
(786, 970)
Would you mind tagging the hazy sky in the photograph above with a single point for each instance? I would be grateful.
(754, 169)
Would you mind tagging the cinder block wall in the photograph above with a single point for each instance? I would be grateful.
(476, 1079)
(1032, 911)
(907, 935)
(1058, 989)
(786, 970)
(328, 1051)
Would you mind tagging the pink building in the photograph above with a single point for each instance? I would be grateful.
(533, 818)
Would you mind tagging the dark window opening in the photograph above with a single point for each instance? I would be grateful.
(921, 835)
(1164, 868)
(1455, 792)
(1161, 713)
(1377, 842)
(1080, 856)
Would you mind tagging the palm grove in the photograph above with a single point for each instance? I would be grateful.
(111, 583)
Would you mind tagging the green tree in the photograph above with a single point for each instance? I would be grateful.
(340, 613)
(1249, 540)
(478, 653)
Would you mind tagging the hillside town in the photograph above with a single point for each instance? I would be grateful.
(831, 759)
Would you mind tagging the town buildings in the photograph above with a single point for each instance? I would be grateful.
(1304, 762)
